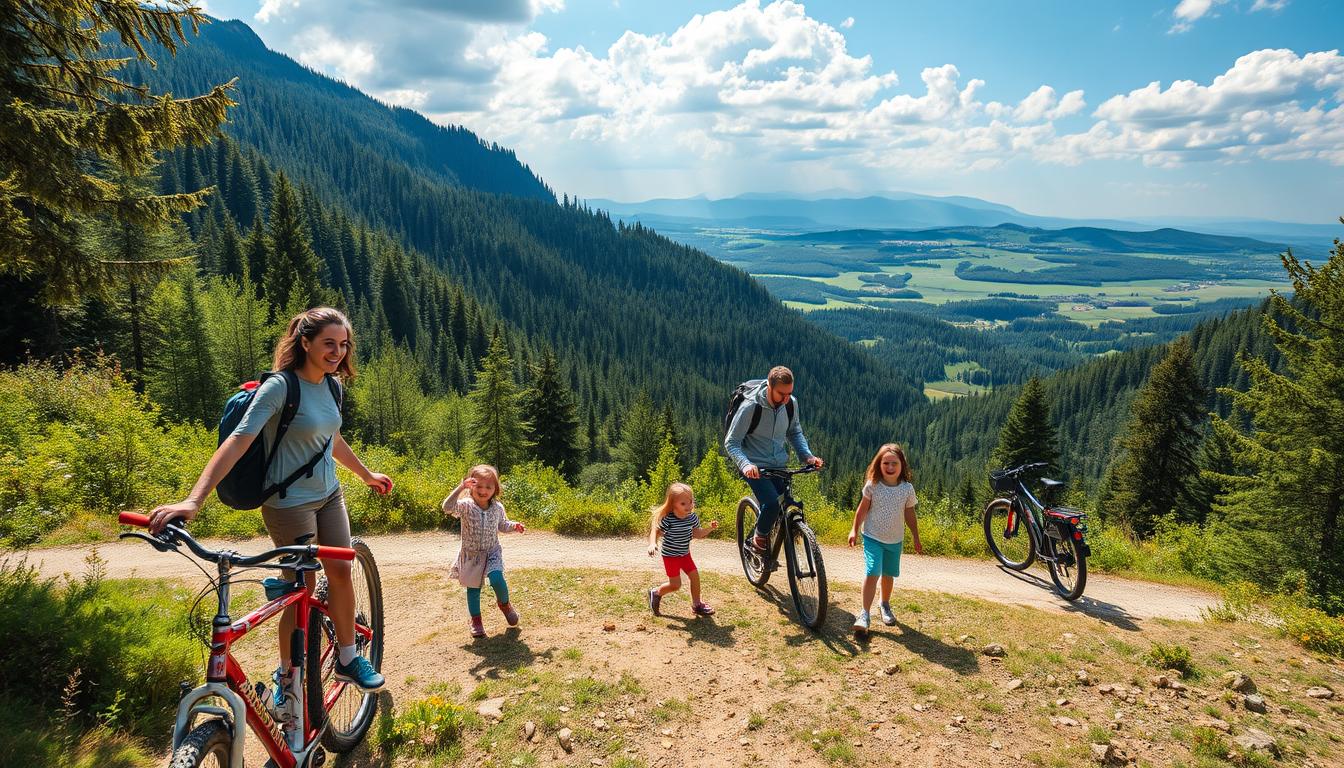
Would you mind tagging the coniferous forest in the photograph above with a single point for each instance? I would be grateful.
(476, 290)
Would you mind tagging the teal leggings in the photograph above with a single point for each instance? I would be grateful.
(496, 583)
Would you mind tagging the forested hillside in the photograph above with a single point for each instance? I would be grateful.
(625, 310)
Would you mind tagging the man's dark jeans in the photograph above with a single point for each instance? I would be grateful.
(767, 491)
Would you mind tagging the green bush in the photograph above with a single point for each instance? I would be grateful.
(102, 652)
(1206, 742)
(426, 727)
(1173, 656)
(1312, 628)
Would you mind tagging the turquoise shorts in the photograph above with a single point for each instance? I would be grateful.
(881, 559)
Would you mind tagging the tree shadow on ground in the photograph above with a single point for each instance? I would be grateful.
(363, 755)
(834, 634)
(506, 651)
(1110, 613)
(704, 629)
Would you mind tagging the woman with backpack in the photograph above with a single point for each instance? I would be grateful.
(301, 496)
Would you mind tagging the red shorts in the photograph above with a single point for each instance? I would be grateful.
(675, 565)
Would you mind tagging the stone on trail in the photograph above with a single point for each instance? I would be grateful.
(1082, 677)
(1014, 684)
(566, 739)
(529, 730)
(1239, 682)
(891, 669)
(1320, 692)
(1103, 753)
(994, 650)
(1212, 722)
(610, 626)
(1254, 702)
(492, 709)
(1256, 740)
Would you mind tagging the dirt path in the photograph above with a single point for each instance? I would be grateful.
(1121, 602)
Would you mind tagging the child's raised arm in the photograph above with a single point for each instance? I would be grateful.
(913, 523)
(654, 532)
(701, 532)
(449, 505)
(860, 514)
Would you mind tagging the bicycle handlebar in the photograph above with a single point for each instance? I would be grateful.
(1025, 468)
(782, 472)
(173, 532)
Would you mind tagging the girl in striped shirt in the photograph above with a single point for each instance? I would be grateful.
(675, 520)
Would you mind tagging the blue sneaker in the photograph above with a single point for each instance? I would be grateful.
(361, 673)
(279, 689)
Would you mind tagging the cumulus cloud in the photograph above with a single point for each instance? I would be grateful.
(1269, 5)
(1187, 12)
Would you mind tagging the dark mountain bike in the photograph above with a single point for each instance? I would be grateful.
(1054, 534)
(212, 719)
(807, 574)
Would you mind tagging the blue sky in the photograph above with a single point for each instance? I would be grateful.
(1170, 107)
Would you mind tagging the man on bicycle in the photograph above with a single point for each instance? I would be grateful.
(759, 442)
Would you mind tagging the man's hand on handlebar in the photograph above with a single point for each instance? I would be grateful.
(816, 461)
(751, 471)
(185, 511)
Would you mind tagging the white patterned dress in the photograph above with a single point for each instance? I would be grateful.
(480, 553)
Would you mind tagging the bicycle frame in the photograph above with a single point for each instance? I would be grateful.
(790, 513)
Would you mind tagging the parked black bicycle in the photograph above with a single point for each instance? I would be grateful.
(807, 573)
(1054, 534)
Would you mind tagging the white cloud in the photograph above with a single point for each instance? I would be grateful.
(272, 9)
(345, 59)
(1269, 5)
(1187, 12)
(847, 23)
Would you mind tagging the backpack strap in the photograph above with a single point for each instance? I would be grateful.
(337, 391)
(287, 411)
(337, 394)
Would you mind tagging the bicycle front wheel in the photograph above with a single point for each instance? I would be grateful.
(807, 575)
(1008, 537)
(1068, 569)
(349, 710)
(208, 745)
(753, 564)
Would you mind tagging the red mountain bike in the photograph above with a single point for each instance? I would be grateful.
(207, 733)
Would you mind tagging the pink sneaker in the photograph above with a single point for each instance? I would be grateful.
(510, 615)
(477, 627)
(702, 609)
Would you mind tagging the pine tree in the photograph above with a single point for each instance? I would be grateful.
(713, 481)
(293, 273)
(665, 471)
(1028, 434)
(641, 439)
(236, 320)
(1154, 474)
(65, 114)
(389, 404)
(1293, 486)
(182, 376)
(498, 429)
(553, 420)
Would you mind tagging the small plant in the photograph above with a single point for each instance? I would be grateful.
(755, 720)
(1098, 735)
(1173, 656)
(426, 727)
(1206, 742)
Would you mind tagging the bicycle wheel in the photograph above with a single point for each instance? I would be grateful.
(349, 710)
(1015, 549)
(209, 745)
(1068, 569)
(753, 564)
(807, 575)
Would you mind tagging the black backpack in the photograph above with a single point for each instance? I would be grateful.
(739, 397)
(244, 487)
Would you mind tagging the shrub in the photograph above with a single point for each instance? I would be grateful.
(1173, 656)
(1206, 742)
(1313, 628)
(426, 727)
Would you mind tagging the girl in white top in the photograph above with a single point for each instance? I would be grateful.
(887, 507)
(481, 557)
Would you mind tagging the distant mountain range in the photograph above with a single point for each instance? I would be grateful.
(904, 210)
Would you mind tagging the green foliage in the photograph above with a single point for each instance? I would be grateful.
(641, 439)
(292, 270)
(1206, 742)
(552, 416)
(426, 727)
(498, 431)
(388, 406)
(1153, 475)
(1288, 481)
(1028, 434)
(1171, 656)
(235, 322)
(109, 653)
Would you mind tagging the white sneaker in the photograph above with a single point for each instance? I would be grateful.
(888, 617)
(861, 623)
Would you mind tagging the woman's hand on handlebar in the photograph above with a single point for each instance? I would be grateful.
(185, 511)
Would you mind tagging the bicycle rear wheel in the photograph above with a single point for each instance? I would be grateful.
(348, 710)
(1008, 537)
(1068, 569)
(753, 564)
(807, 575)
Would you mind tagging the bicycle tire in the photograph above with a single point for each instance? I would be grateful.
(753, 565)
(993, 523)
(209, 739)
(811, 617)
(1069, 590)
(346, 733)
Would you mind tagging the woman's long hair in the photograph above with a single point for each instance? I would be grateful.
(874, 474)
(289, 353)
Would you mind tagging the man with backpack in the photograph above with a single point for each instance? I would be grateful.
(762, 421)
